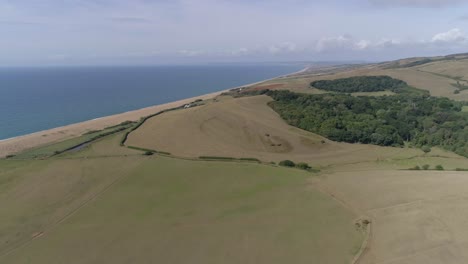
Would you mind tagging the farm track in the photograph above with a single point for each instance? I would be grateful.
(335, 195)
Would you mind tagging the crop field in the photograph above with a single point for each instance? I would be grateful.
(437, 85)
(108, 147)
(382, 93)
(457, 69)
(417, 217)
(58, 147)
(229, 129)
(436, 77)
(37, 195)
(135, 209)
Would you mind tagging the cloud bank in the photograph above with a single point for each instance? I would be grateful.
(187, 31)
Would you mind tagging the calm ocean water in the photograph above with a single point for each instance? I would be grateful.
(35, 99)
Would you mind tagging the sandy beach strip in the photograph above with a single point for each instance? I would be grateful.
(15, 145)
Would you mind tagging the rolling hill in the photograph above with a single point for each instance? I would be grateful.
(147, 193)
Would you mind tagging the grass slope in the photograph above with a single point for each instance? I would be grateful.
(110, 204)
(247, 127)
(436, 76)
(59, 147)
(417, 217)
(91, 207)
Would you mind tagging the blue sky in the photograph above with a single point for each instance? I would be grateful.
(77, 32)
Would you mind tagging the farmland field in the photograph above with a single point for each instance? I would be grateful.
(92, 208)
(228, 128)
(196, 201)
(417, 217)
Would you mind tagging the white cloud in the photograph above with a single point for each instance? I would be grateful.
(387, 43)
(190, 53)
(207, 30)
(452, 36)
(344, 42)
(239, 52)
(284, 47)
(362, 44)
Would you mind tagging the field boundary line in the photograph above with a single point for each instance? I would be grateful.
(335, 196)
(364, 246)
(417, 253)
(396, 205)
(65, 217)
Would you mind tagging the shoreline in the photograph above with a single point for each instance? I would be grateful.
(13, 145)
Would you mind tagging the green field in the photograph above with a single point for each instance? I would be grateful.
(59, 147)
(89, 207)
(381, 93)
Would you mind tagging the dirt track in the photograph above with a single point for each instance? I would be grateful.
(417, 217)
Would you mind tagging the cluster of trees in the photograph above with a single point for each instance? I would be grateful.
(300, 165)
(361, 84)
(460, 87)
(427, 167)
(236, 93)
(421, 120)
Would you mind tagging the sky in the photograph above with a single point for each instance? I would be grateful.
(132, 32)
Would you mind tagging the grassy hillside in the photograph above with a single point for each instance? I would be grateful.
(210, 201)
(417, 217)
(141, 209)
(438, 75)
(71, 144)
(247, 127)
(229, 129)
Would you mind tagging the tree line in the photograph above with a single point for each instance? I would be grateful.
(361, 84)
(420, 120)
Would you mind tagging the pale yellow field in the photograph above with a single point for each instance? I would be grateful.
(453, 68)
(382, 93)
(248, 128)
(421, 77)
(436, 85)
(99, 206)
(417, 217)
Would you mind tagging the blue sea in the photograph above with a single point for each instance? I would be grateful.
(35, 99)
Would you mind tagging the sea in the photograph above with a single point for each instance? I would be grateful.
(35, 99)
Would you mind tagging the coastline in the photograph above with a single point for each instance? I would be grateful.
(17, 144)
